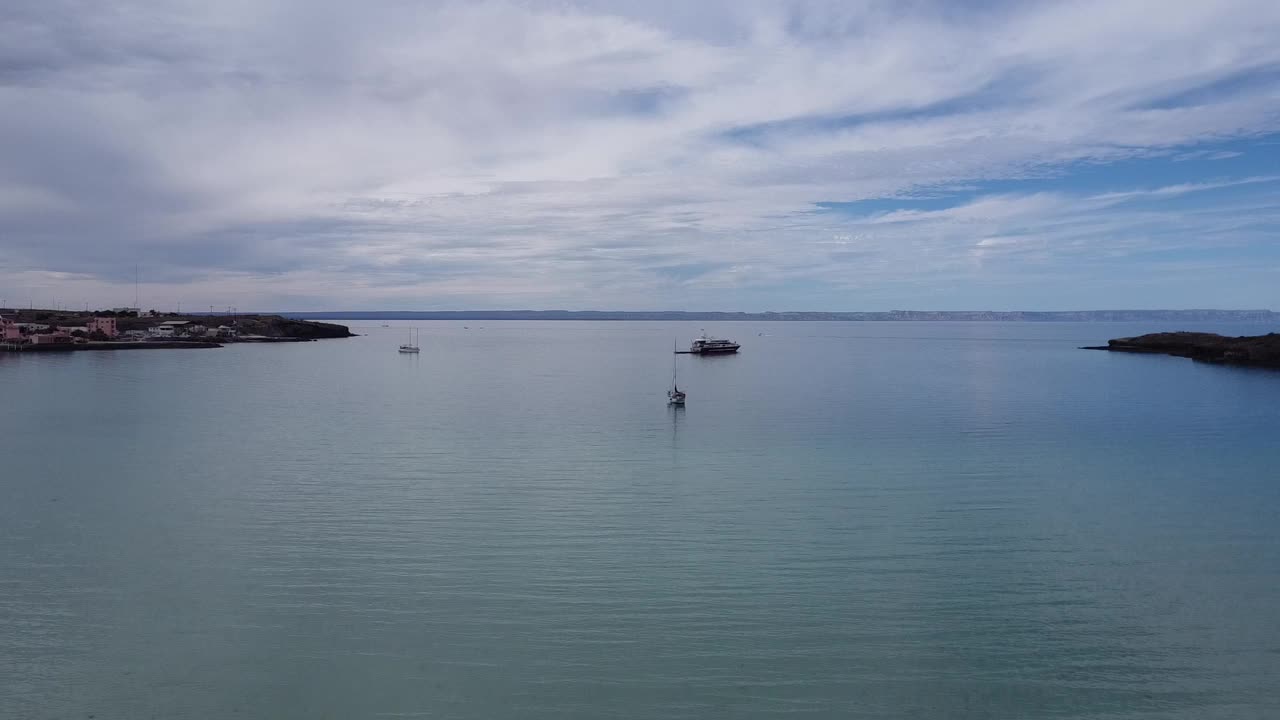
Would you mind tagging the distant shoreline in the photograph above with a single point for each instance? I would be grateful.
(890, 316)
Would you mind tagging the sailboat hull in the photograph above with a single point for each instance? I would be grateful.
(411, 347)
(674, 395)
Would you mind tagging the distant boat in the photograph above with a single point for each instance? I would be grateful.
(675, 396)
(712, 346)
(412, 345)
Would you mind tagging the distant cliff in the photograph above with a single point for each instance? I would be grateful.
(1255, 351)
(893, 315)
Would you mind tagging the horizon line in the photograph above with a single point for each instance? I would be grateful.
(777, 312)
(237, 311)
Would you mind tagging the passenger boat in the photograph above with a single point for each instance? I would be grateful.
(712, 346)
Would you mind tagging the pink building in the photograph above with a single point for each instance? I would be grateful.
(57, 337)
(107, 325)
(9, 331)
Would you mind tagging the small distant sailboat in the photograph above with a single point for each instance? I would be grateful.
(412, 345)
(675, 396)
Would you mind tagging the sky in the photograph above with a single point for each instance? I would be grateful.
(657, 155)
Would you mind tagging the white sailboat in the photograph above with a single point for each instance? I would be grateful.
(412, 345)
(675, 396)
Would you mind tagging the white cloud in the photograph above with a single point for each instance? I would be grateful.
(570, 155)
(1206, 155)
(1181, 189)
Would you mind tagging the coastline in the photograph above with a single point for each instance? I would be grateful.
(1260, 351)
(104, 345)
(42, 330)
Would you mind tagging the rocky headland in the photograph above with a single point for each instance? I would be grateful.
(262, 326)
(247, 325)
(1253, 351)
(42, 330)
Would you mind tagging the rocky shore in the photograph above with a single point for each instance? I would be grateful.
(1253, 351)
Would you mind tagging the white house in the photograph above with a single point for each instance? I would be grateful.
(170, 328)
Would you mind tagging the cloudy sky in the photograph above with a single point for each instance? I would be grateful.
(735, 155)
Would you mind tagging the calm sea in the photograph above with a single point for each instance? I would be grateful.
(848, 520)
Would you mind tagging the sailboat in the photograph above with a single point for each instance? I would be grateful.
(675, 396)
(412, 345)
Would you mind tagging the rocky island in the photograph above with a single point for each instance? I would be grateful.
(1253, 351)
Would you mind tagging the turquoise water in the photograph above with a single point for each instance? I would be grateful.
(877, 520)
